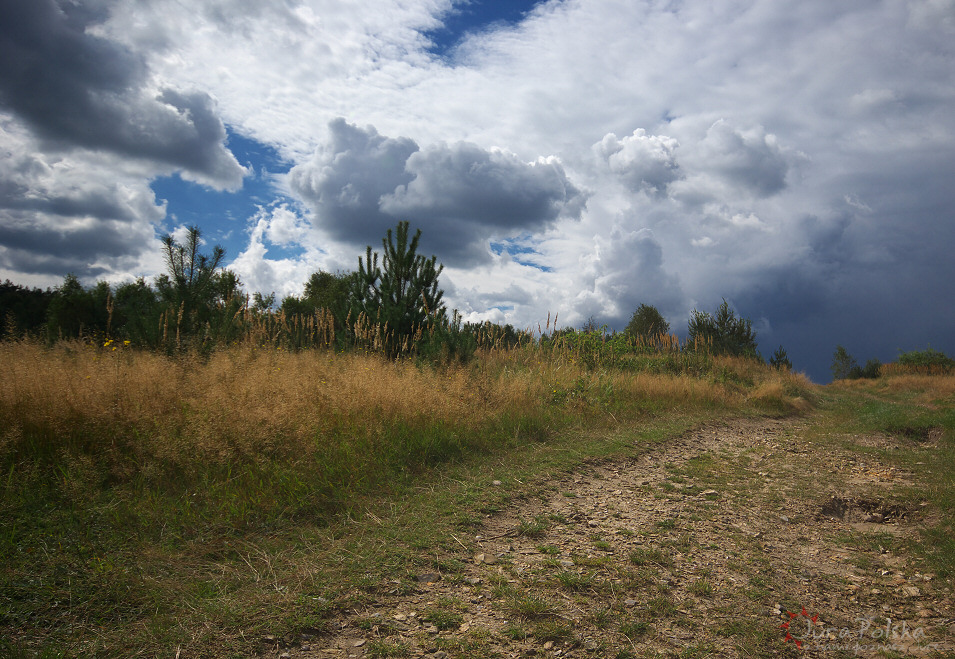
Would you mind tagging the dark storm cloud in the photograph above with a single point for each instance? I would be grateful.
(78, 247)
(76, 89)
(102, 204)
(84, 241)
(458, 194)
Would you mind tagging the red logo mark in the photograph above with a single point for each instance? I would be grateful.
(785, 625)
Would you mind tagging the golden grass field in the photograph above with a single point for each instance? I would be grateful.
(153, 504)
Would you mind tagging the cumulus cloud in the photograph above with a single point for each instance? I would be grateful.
(347, 177)
(459, 194)
(273, 228)
(624, 270)
(77, 89)
(728, 161)
(645, 163)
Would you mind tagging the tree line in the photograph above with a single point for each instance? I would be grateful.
(391, 303)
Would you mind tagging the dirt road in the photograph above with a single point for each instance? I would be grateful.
(707, 546)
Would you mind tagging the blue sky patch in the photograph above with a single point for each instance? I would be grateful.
(476, 16)
(517, 248)
(222, 215)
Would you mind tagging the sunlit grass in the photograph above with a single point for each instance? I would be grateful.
(152, 500)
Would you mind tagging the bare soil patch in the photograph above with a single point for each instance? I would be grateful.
(707, 546)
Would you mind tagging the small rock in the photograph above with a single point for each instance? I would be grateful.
(548, 645)
(359, 643)
(496, 483)
(911, 591)
(875, 518)
(428, 578)
(707, 493)
(784, 518)
(629, 602)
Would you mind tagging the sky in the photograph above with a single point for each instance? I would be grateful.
(575, 158)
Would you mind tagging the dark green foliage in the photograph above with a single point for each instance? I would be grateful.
(927, 361)
(193, 285)
(845, 367)
(136, 313)
(448, 341)
(843, 364)
(262, 303)
(780, 360)
(647, 323)
(323, 291)
(724, 333)
(401, 296)
(22, 310)
(75, 311)
(871, 370)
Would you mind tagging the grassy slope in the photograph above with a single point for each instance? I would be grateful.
(160, 507)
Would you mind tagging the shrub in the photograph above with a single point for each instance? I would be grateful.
(724, 333)
(843, 364)
(927, 362)
(780, 360)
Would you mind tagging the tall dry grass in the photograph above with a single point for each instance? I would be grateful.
(123, 471)
(355, 415)
(927, 388)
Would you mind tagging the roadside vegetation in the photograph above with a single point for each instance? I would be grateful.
(186, 472)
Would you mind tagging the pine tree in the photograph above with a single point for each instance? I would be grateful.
(401, 295)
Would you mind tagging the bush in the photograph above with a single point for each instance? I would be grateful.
(843, 364)
(780, 360)
(845, 367)
(724, 333)
(647, 322)
(928, 362)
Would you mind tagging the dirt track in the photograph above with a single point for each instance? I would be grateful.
(704, 547)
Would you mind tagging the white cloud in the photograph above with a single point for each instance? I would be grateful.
(769, 150)
(743, 160)
(644, 162)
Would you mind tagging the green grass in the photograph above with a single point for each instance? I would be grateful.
(650, 556)
(576, 581)
(531, 606)
(186, 529)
